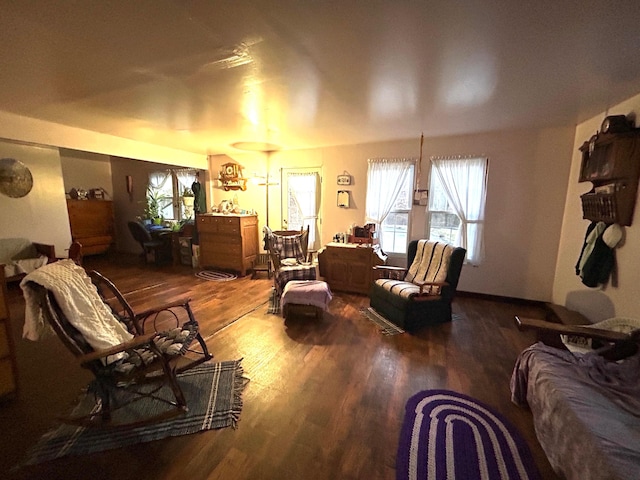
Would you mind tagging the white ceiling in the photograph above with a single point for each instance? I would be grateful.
(202, 75)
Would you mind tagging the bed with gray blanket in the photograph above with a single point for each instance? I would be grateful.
(586, 411)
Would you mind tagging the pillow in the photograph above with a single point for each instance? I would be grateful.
(578, 344)
(28, 265)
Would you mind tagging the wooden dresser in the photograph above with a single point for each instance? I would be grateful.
(8, 370)
(228, 242)
(92, 224)
(348, 267)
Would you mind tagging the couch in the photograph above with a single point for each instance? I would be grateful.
(585, 406)
(19, 256)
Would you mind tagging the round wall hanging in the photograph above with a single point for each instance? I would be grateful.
(15, 178)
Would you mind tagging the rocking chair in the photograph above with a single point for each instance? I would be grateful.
(288, 250)
(147, 351)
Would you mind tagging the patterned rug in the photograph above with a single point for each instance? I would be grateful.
(447, 435)
(386, 327)
(274, 302)
(214, 397)
(213, 276)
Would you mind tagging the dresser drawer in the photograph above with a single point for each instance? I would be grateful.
(220, 248)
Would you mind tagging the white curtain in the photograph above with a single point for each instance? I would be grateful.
(465, 183)
(385, 178)
(157, 180)
(303, 189)
(186, 177)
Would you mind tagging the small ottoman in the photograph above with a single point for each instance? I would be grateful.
(305, 297)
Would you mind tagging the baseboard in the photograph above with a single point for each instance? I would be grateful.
(503, 299)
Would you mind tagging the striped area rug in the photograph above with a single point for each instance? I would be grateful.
(447, 435)
(214, 397)
(386, 327)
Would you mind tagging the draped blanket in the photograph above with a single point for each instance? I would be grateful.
(79, 300)
(586, 411)
(430, 264)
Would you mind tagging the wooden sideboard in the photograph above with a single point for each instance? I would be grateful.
(92, 224)
(348, 267)
(8, 368)
(228, 241)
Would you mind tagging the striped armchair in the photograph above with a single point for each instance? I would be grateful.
(422, 294)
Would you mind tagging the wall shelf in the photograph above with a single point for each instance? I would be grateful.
(611, 162)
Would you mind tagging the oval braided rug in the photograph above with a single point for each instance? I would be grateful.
(213, 276)
(447, 435)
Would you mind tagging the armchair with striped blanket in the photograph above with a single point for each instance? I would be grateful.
(288, 250)
(421, 294)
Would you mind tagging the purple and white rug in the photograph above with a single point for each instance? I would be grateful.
(447, 435)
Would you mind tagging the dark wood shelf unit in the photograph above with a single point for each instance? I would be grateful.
(611, 162)
(92, 224)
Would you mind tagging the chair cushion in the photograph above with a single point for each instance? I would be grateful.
(431, 263)
(406, 290)
(171, 343)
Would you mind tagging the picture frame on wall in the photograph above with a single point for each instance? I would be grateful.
(344, 179)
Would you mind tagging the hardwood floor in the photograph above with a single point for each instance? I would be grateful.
(325, 398)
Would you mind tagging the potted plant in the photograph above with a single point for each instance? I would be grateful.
(156, 201)
(188, 199)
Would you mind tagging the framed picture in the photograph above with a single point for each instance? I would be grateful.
(344, 179)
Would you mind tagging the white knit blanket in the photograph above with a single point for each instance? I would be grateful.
(79, 300)
(431, 262)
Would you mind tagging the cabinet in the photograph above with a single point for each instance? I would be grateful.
(348, 267)
(8, 370)
(92, 224)
(611, 161)
(228, 241)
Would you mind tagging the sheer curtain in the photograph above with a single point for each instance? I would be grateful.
(158, 180)
(186, 177)
(465, 183)
(303, 189)
(385, 178)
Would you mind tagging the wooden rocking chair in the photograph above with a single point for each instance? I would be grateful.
(160, 347)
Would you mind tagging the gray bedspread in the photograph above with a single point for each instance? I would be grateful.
(586, 411)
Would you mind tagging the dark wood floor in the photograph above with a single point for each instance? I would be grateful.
(325, 398)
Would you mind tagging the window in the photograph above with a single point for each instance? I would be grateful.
(301, 204)
(167, 187)
(389, 198)
(456, 203)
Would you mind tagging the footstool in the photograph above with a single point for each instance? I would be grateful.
(309, 297)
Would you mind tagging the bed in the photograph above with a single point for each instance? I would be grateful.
(586, 410)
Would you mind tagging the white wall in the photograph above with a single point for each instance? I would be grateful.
(528, 174)
(84, 170)
(41, 216)
(599, 303)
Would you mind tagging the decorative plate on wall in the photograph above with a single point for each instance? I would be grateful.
(15, 178)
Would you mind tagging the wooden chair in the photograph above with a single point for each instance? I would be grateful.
(414, 302)
(162, 343)
(289, 254)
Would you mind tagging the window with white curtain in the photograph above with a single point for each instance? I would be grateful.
(302, 201)
(388, 202)
(458, 190)
(169, 186)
